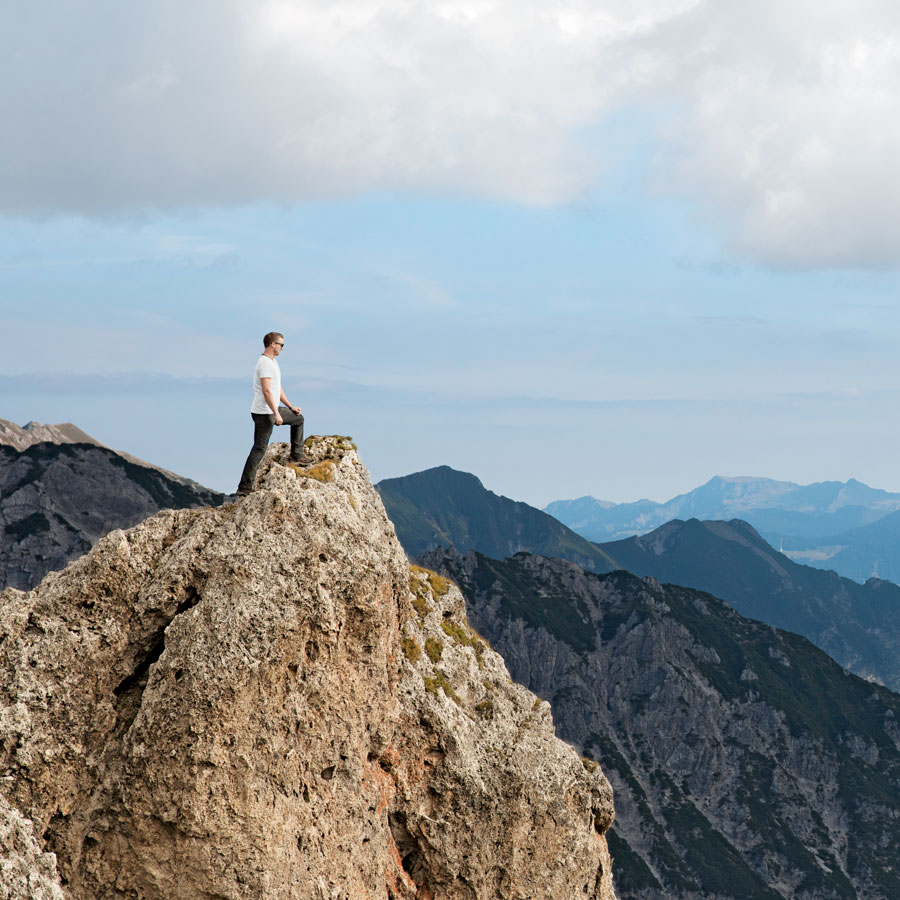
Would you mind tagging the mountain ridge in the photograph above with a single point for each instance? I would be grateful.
(442, 506)
(869, 551)
(746, 764)
(20, 438)
(23, 437)
(858, 625)
(58, 499)
(775, 508)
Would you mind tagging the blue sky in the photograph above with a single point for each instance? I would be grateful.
(614, 251)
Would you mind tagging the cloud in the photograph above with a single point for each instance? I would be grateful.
(176, 105)
(777, 119)
(787, 136)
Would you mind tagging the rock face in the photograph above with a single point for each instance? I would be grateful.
(57, 499)
(746, 764)
(27, 872)
(264, 700)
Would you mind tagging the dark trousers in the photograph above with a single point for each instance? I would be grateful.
(263, 424)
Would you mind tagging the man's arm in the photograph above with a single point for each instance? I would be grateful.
(269, 394)
(294, 409)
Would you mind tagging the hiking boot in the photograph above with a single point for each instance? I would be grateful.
(301, 461)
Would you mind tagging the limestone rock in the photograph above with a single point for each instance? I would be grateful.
(26, 871)
(264, 700)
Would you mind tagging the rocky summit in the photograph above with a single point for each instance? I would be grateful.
(266, 700)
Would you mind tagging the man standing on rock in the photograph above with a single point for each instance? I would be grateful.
(267, 413)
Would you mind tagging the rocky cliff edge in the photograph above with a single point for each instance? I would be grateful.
(266, 700)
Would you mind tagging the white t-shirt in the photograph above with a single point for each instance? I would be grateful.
(265, 368)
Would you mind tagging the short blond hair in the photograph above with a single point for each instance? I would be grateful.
(271, 337)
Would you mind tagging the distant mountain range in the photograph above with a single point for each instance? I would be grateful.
(746, 764)
(859, 625)
(774, 508)
(57, 499)
(443, 507)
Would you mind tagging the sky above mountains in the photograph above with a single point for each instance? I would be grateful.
(576, 248)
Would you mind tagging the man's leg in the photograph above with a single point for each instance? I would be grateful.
(296, 423)
(262, 431)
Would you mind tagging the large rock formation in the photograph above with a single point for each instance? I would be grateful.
(57, 499)
(746, 763)
(264, 700)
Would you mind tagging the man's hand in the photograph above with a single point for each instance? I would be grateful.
(295, 410)
(278, 419)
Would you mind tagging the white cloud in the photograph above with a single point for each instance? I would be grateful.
(788, 135)
(781, 124)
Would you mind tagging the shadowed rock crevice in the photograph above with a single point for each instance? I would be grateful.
(129, 692)
(138, 678)
(411, 858)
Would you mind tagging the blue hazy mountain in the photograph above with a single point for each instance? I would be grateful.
(869, 551)
(774, 508)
